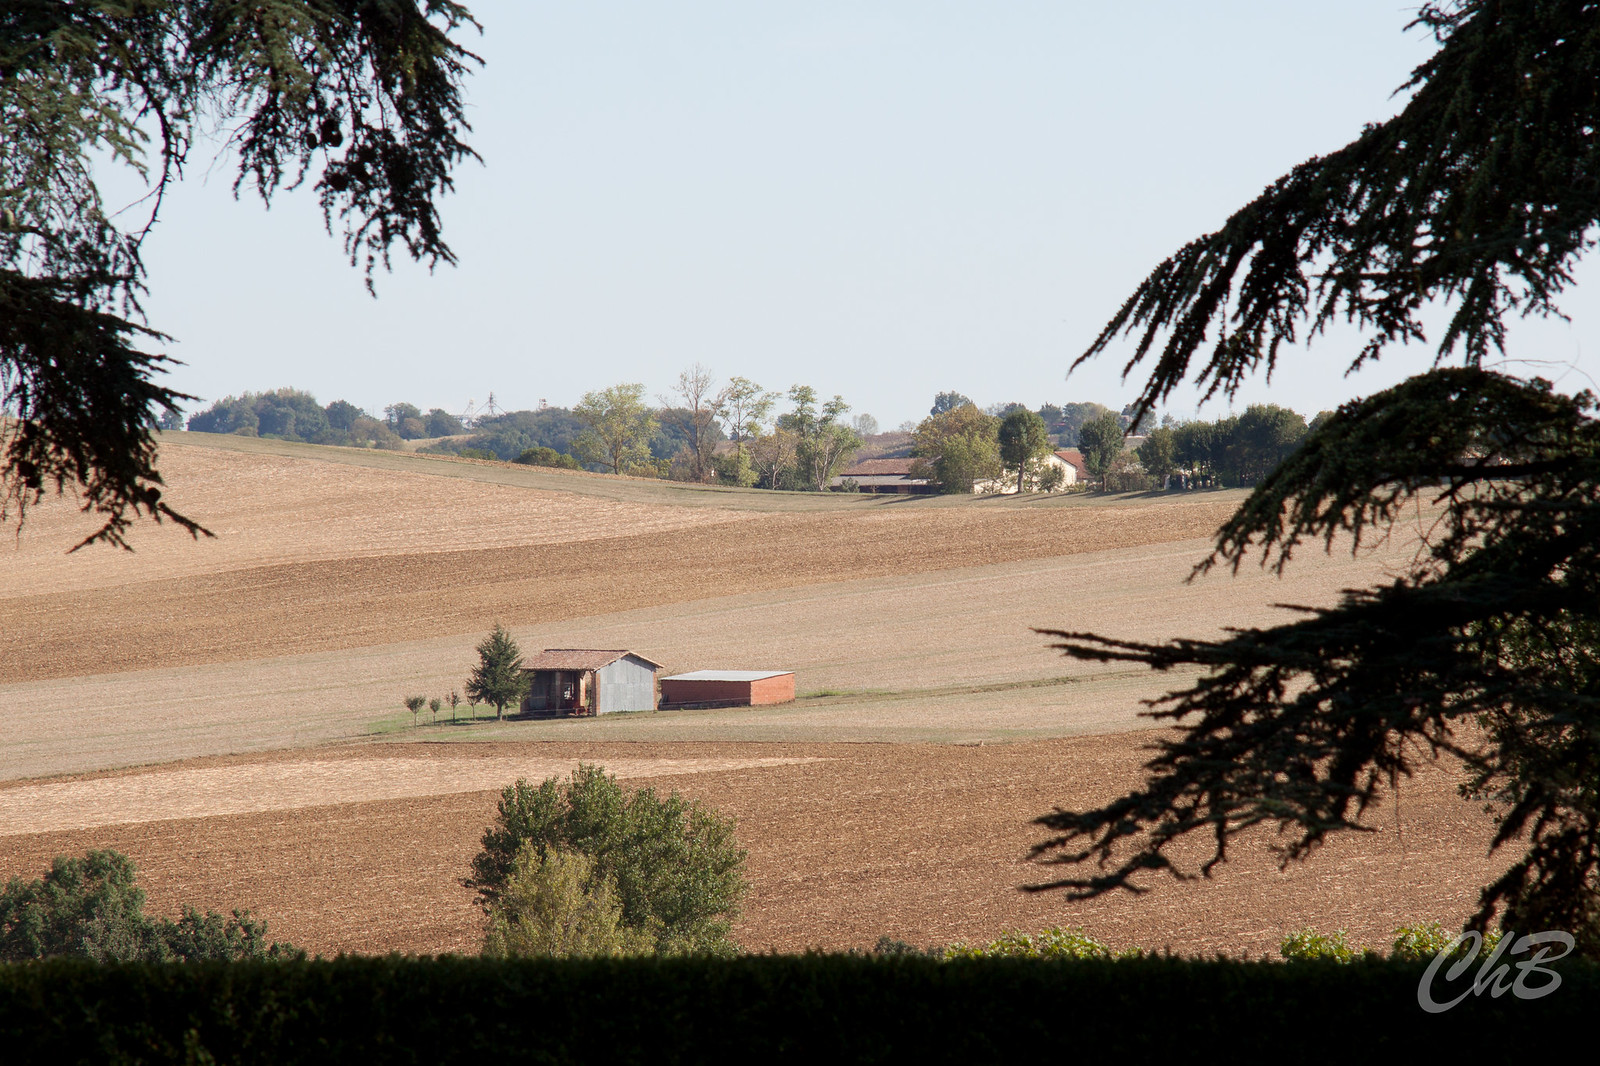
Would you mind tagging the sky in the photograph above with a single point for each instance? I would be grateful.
(883, 200)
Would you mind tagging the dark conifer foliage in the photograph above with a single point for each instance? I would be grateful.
(1484, 191)
(362, 97)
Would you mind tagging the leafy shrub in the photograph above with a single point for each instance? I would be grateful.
(559, 904)
(539, 455)
(1412, 943)
(890, 947)
(476, 453)
(734, 469)
(93, 908)
(1050, 944)
(678, 871)
(1308, 944)
(1420, 943)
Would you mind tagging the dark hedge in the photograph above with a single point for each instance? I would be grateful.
(795, 1008)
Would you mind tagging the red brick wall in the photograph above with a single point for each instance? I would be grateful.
(778, 689)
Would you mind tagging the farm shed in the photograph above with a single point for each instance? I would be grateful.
(885, 475)
(589, 681)
(736, 688)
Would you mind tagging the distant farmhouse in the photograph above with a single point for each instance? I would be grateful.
(589, 681)
(886, 475)
(1068, 460)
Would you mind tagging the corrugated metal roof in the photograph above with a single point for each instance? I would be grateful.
(579, 659)
(727, 675)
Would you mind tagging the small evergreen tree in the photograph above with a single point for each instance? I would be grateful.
(497, 679)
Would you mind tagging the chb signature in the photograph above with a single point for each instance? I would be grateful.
(1533, 980)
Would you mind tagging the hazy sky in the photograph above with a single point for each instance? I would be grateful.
(880, 199)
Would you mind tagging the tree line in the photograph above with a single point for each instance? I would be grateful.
(685, 436)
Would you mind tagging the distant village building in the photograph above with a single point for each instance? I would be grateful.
(728, 688)
(1071, 460)
(589, 681)
(885, 475)
(1068, 460)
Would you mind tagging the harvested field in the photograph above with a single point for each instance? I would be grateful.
(290, 608)
(343, 580)
(847, 843)
(945, 655)
(273, 510)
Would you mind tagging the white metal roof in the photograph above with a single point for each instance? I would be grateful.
(727, 675)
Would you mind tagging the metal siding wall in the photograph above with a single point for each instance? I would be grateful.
(626, 685)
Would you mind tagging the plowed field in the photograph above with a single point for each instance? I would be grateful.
(272, 659)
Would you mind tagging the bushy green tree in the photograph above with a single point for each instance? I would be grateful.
(618, 426)
(678, 871)
(93, 907)
(822, 442)
(1023, 439)
(1158, 454)
(441, 423)
(1072, 419)
(948, 401)
(362, 102)
(497, 678)
(1100, 441)
(556, 903)
(542, 456)
(958, 447)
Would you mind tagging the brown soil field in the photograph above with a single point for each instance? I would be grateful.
(847, 842)
(258, 677)
(945, 655)
(294, 607)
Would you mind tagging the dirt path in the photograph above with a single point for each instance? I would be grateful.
(250, 788)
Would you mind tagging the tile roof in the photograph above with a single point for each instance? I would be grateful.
(579, 659)
(1075, 457)
(879, 468)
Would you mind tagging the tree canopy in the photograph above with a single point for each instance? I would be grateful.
(671, 864)
(958, 447)
(1023, 438)
(362, 98)
(1483, 192)
(93, 908)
